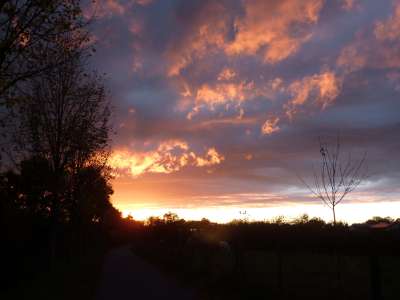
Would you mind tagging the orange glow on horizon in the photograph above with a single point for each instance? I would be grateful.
(347, 212)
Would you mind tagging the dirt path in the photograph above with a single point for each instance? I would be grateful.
(126, 276)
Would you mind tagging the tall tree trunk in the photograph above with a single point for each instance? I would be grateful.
(334, 215)
(55, 217)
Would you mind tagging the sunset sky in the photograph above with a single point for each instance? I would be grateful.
(219, 103)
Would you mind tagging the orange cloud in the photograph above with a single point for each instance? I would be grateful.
(211, 158)
(108, 8)
(226, 74)
(248, 156)
(266, 26)
(170, 156)
(269, 24)
(270, 126)
(389, 29)
(277, 85)
(321, 88)
(136, 26)
(143, 2)
(224, 92)
(349, 4)
(224, 121)
(351, 58)
(115, 7)
(378, 49)
(101, 9)
(209, 33)
(318, 90)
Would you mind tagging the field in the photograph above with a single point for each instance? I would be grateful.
(291, 262)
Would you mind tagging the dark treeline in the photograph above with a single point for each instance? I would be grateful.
(377, 236)
(306, 258)
(301, 233)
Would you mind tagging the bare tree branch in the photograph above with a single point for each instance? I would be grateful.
(337, 177)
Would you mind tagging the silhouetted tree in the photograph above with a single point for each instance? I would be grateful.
(88, 202)
(170, 217)
(64, 118)
(27, 189)
(337, 176)
(27, 28)
(91, 194)
(378, 219)
(301, 220)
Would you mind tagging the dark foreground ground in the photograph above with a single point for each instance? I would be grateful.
(118, 274)
(126, 276)
(182, 260)
(71, 279)
(301, 275)
(157, 273)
